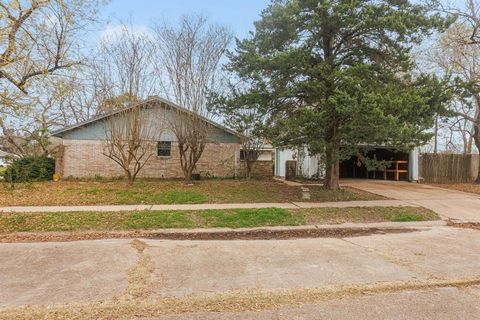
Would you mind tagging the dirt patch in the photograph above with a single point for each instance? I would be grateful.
(139, 275)
(464, 225)
(139, 245)
(279, 234)
(257, 234)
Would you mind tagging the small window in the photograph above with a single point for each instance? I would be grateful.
(248, 154)
(164, 148)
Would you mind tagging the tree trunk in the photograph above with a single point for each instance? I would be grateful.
(130, 179)
(435, 143)
(188, 175)
(332, 174)
(476, 131)
(248, 169)
(184, 164)
(470, 142)
(476, 138)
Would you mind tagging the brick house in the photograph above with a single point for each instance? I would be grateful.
(81, 148)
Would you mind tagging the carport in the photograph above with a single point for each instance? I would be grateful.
(403, 165)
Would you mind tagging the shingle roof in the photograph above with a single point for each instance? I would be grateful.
(148, 100)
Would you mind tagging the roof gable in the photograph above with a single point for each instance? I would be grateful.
(97, 121)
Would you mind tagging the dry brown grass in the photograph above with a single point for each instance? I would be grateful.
(464, 187)
(249, 234)
(65, 193)
(147, 192)
(234, 301)
(464, 225)
(139, 275)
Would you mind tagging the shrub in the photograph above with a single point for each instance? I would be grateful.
(29, 169)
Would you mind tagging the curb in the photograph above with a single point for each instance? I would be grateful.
(382, 225)
(346, 230)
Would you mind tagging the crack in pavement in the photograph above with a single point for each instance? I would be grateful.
(139, 276)
(395, 260)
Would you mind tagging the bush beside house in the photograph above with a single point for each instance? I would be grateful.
(31, 168)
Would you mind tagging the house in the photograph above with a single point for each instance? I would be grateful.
(82, 147)
(403, 165)
(264, 165)
(5, 158)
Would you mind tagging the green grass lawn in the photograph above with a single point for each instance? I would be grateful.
(236, 218)
(167, 192)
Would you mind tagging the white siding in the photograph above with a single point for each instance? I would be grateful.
(282, 156)
(266, 155)
(307, 166)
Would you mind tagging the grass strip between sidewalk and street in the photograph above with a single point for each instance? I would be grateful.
(232, 218)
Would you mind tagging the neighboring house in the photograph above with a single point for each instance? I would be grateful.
(264, 166)
(82, 147)
(404, 165)
(5, 158)
(304, 165)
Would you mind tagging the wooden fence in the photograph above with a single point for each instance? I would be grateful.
(448, 168)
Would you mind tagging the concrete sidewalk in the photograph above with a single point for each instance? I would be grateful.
(209, 206)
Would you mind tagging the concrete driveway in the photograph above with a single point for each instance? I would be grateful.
(449, 204)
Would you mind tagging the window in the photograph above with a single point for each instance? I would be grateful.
(250, 155)
(164, 148)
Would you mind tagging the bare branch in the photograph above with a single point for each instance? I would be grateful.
(131, 135)
(123, 77)
(188, 64)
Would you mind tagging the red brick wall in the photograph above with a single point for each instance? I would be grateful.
(85, 159)
(261, 169)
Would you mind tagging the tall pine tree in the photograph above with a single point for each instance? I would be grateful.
(337, 74)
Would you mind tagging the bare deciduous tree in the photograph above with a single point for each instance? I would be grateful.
(188, 64)
(123, 77)
(76, 100)
(191, 132)
(468, 14)
(40, 43)
(244, 117)
(458, 130)
(251, 146)
(32, 125)
(122, 69)
(131, 135)
(459, 59)
(38, 40)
